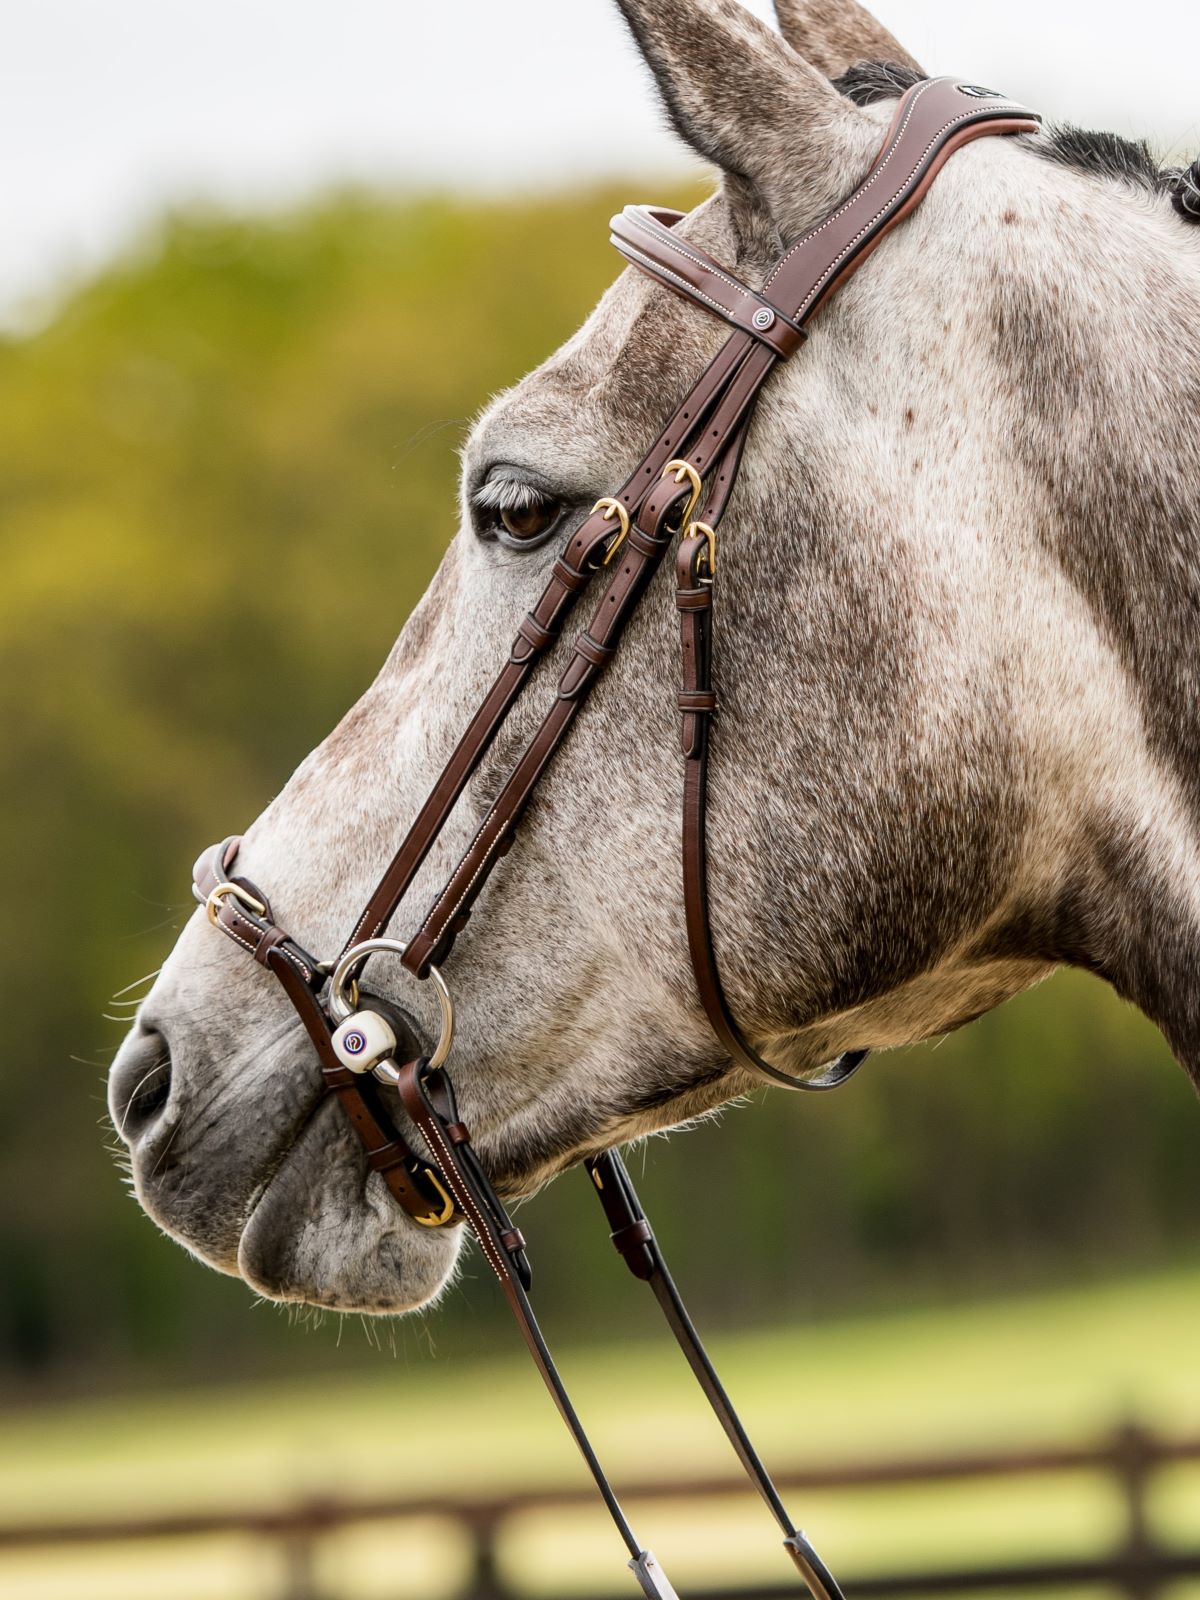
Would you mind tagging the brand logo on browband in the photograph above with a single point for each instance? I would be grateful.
(354, 1044)
(976, 93)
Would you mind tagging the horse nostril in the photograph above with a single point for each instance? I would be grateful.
(139, 1085)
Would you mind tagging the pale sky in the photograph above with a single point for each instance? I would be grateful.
(111, 110)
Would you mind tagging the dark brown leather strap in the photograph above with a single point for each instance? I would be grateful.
(643, 236)
(410, 1181)
(639, 558)
(635, 1241)
(429, 1100)
(538, 631)
(572, 572)
(241, 911)
(932, 121)
(698, 704)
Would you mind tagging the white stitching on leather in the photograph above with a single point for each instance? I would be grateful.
(875, 175)
(751, 297)
(867, 226)
(669, 241)
(232, 933)
(487, 856)
(466, 1198)
(633, 253)
(964, 117)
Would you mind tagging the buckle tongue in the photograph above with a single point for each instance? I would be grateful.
(227, 890)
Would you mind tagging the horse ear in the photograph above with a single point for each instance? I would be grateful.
(837, 34)
(743, 99)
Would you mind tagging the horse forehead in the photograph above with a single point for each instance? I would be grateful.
(632, 359)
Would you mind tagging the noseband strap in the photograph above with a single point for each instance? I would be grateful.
(678, 490)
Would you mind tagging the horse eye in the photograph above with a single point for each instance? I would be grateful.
(530, 522)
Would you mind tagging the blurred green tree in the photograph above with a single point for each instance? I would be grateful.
(191, 452)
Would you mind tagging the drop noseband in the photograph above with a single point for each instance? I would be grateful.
(678, 492)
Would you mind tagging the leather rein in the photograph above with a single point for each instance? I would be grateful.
(678, 492)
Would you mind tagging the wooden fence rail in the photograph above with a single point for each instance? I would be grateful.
(1137, 1565)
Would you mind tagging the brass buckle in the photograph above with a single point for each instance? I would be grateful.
(701, 530)
(613, 508)
(222, 891)
(441, 1218)
(681, 470)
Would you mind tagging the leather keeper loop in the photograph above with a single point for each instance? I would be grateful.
(576, 679)
(783, 336)
(513, 1240)
(633, 1243)
(386, 1157)
(646, 544)
(699, 701)
(533, 633)
(267, 943)
(639, 1232)
(458, 1133)
(574, 582)
(694, 599)
(598, 655)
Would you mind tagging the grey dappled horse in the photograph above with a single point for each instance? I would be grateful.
(960, 712)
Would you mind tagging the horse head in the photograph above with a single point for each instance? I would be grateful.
(958, 712)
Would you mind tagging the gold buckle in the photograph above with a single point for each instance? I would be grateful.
(440, 1219)
(701, 530)
(613, 508)
(681, 470)
(222, 891)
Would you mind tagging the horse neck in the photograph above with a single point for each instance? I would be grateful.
(1119, 428)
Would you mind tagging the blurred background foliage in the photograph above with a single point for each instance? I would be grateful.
(217, 453)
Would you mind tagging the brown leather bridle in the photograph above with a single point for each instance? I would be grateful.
(678, 491)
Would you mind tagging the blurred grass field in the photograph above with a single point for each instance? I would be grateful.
(1045, 1368)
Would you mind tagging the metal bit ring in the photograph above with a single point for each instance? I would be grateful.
(344, 981)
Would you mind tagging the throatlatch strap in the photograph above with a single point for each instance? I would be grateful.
(697, 704)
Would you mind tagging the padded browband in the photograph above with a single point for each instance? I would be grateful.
(931, 121)
(643, 236)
